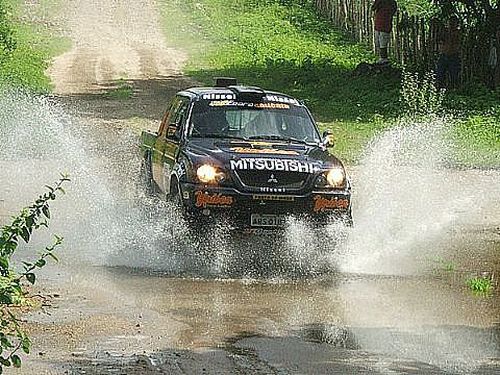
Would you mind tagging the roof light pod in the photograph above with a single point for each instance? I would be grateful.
(225, 82)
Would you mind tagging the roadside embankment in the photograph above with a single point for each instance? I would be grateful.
(30, 39)
(288, 47)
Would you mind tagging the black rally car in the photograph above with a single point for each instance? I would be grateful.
(251, 155)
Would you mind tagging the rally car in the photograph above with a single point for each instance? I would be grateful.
(246, 154)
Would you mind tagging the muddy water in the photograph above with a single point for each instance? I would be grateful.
(112, 317)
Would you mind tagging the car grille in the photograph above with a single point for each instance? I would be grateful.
(276, 179)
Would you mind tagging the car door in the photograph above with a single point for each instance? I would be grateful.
(159, 147)
(168, 142)
(174, 138)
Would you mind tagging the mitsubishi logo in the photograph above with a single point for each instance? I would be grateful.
(272, 179)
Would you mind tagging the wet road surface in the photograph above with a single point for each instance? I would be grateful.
(116, 320)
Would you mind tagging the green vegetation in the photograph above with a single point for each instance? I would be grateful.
(13, 293)
(26, 46)
(481, 285)
(445, 265)
(122, 91)
(421, 8)
(284, 45)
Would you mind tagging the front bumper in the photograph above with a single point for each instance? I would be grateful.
(214, 202)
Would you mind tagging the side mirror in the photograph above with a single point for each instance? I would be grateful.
(328, 140)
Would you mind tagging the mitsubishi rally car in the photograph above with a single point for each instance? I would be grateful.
(246, 154)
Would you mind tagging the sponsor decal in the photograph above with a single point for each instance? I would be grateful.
(180, 169)
(215, 200)
(272, 106)
(264, 143)
(321, 204)
(268, 197)
(264, 164)
(272, 190)
(270, 101)
(232, 103)
(281, 99)
(214, 96)
(271, 151)
(220, 103)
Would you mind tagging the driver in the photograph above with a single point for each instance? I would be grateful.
(261, 125)
(210, 122)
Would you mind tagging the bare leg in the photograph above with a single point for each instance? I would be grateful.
(383, 53)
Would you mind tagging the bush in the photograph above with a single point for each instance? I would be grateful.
(7, 41)
(12, 284)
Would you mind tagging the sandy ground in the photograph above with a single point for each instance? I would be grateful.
(113, 40)
(102, 320)
(116, 44)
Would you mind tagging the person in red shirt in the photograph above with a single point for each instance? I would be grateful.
(384, 11)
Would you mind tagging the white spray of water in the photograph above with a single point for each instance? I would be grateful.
(407, 201)
(106, 217)
(100, 216)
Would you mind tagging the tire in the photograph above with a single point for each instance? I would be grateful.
(348, 219)
(175, 198)
(146, 175)
(196, 223)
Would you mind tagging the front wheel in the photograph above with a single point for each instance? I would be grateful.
(198, 224)
(348, 219)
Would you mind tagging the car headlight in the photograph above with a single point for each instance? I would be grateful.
(209, 174)
(334, 178)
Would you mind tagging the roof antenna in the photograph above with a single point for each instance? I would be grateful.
(225, 82)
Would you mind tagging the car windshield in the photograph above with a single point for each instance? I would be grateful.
(248, 120)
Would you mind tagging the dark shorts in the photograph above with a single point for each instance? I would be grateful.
(448, 66)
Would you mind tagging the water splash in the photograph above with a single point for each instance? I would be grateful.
(104, 212)
(407, 202)
(108, 219)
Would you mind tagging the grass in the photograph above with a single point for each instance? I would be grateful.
(285, 46)
(36, 44)
(480, 285)
(477, 140)
(442, 264)
(122, 91)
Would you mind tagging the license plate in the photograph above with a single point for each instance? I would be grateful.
(257, 220)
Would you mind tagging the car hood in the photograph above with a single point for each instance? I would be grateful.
(233, 153)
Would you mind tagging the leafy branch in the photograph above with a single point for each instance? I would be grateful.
(12, 292)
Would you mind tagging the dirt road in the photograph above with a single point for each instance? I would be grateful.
(115, 44)
(113, 40)
(130, 296)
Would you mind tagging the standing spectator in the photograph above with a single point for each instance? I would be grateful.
(384, 11)
(448, 65)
